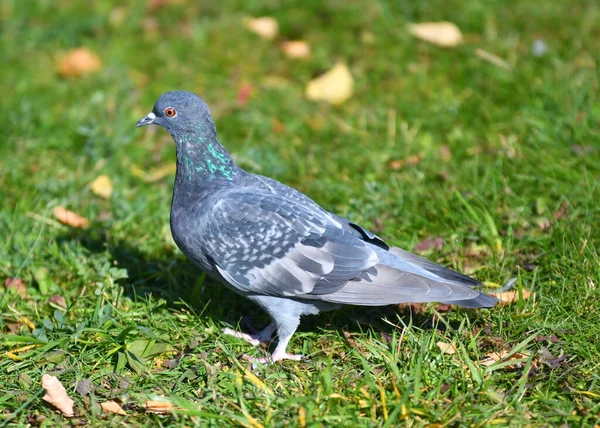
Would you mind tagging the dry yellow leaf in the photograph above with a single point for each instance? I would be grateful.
(102, 186)
(335, 86)
(447, 348)
(112, 407)
(257, 382)
(266, 27)
(512, 296)
(155, 174)
(296, 49)
(70, 218)
(153, 406)
(494, 357)
(79, 62)
(445, 34)
(57, 395)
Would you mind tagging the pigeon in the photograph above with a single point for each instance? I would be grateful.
(277, 247)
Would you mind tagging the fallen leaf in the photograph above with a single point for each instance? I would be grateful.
(150, 25)
(492, 59)
(13, 327)
(445, 152)
(349, 339)
(295, 49)
(84, 386)
(155, 174)
(277, 125)
(562, 212)
(79, 62)
(57, 395)
(112, 407)
(445, 34)
(244, 94)
(265, 27)
(495, 357)
(429, 244)
(447, 348)
(511, 296)
(408, 161)
(335, 86)
(70, 218)
(58, 300)
(153, 406)
(580, 150)
(550, 360)
(102, 186)
(117, 16)
(16, 284)
(155, 4)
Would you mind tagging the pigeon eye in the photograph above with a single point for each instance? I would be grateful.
(170, 112)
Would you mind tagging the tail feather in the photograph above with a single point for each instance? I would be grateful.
(388, 285)
(435, 268)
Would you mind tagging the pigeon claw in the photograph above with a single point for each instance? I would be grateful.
(251, 339)
(273, 358)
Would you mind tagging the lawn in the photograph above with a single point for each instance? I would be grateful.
(484, 157)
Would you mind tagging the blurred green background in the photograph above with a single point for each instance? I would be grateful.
(491, 167)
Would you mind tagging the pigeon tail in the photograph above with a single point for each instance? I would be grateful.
(400, 279)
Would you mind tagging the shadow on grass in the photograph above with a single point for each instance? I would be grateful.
(181, 284)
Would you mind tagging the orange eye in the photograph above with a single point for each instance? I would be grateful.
(170, 112)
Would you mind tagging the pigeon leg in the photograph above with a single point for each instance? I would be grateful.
(286, 328)
(263, 336)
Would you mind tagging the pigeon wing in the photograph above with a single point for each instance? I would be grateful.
(263, 243)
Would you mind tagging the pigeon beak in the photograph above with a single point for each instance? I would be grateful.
(148, 120)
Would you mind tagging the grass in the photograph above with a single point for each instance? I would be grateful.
(507, 175)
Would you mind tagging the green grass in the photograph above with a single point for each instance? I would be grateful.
(141, 322)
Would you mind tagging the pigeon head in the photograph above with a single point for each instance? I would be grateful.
(200, 156)
(180, 113)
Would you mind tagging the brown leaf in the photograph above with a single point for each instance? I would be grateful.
(155, 4)
(153, 406)
(335, 86)
(84, 386)
(295, 49)
(349, 339)
(447, 348)
(265, 27)
(70, 218)
(580, 150)
(102, 186)
(445, 152)
(16, 284)
(58, 300)
(277, 126)
(562, 212)
(13, 327)
(57, 395)
(112, 407)
(445, 34)
(408, 161)
(494, 357)
(244, 94)
(511, 296)
(430, 243)
(550, 360)
(79, 62)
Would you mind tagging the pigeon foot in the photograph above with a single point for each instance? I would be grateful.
(263, 336)
(273, 358)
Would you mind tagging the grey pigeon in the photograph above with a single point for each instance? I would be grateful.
(279, 248)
